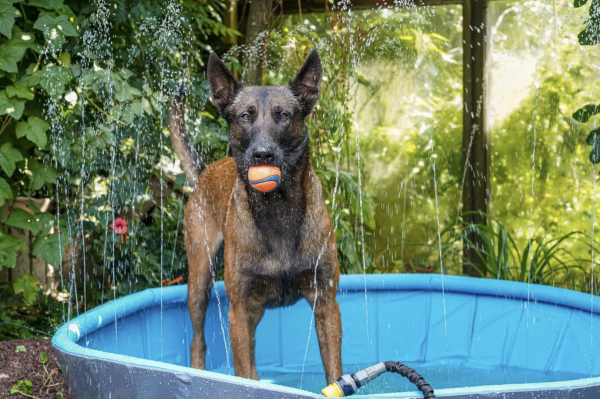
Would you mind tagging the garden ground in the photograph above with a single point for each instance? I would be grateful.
(44, 373)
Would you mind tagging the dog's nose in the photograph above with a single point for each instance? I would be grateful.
(263, 154)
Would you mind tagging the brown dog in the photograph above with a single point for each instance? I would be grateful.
(279, 246)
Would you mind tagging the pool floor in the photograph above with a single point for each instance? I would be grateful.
(438, 377)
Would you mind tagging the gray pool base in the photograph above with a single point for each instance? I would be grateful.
(97, 378)
(137, 347)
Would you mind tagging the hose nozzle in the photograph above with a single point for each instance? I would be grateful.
(348, 384)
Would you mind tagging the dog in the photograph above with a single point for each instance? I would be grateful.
(279, 246)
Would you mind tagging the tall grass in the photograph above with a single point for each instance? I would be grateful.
(563, 261)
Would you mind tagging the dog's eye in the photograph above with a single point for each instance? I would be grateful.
(246, 117)
(283, 116)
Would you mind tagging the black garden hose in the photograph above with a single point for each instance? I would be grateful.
(413, 376)
(348, 384)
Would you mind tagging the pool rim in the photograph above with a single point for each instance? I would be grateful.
(65, 339)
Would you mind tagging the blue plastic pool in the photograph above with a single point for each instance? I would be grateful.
(499, 339)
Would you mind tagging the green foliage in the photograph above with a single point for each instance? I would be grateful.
(368, 57)
(9, 156)
(7, 18)
(34, 129)
(590, 36)
(541, 260)
(5, 191)
(50, 248)
(85, 89)
(23, 387)
(23, 315)
(28, 286)
(9, 246)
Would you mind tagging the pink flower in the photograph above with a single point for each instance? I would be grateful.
(120, 226)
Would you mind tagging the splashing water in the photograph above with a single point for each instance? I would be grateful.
(386, 117)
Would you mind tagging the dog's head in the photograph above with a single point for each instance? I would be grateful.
(266, 124)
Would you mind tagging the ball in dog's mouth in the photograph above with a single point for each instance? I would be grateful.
(264, 178)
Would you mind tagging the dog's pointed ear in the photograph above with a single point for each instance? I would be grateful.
(305, 85)
(223, 85)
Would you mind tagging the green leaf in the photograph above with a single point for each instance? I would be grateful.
(24, 220)
(12, 106)
(147, 89)
(34, 78)
(5, 191)
(8, 157)
(590, 36)
(125, 73)
(53, 26)
(9, 246)
(65, 26)
(47, 4)
(147, 107)
(20, 349)
(49, 247)
(29, 286)
(54, 79)
(9, 56)
(583, 114)
(46, 221)
(579, 3)
(23, 39)
(43, 358)
(21, 90)
(7, 18)
(34, 129)
(40, 174)
(595, 10)
(133, 110)
(594, 137)
(14, 390)
(595, 154)
(124, 92)
(65, 59)
(363, 81)
(44, 21)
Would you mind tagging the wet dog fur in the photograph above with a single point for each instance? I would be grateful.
(279, 247)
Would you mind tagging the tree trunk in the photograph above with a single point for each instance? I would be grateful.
(255, 55)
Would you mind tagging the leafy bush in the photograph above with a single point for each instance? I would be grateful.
(590, 36)
(542, 260)
(84, 104)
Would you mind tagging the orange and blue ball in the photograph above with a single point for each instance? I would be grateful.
(264, 178)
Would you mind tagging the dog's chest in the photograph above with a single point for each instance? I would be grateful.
(277, 251)
(278, 264)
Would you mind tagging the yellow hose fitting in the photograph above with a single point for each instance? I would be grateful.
(347, 385)
(333, 391)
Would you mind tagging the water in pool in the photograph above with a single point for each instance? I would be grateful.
(438, 376)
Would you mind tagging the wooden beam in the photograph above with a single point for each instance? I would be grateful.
(288, 7)
(475, 130)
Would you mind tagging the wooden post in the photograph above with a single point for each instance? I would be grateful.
(255, 55)
(230, 19)
(475, 137)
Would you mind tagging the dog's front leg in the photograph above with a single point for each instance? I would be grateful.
(243, 319)
(328, 323)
